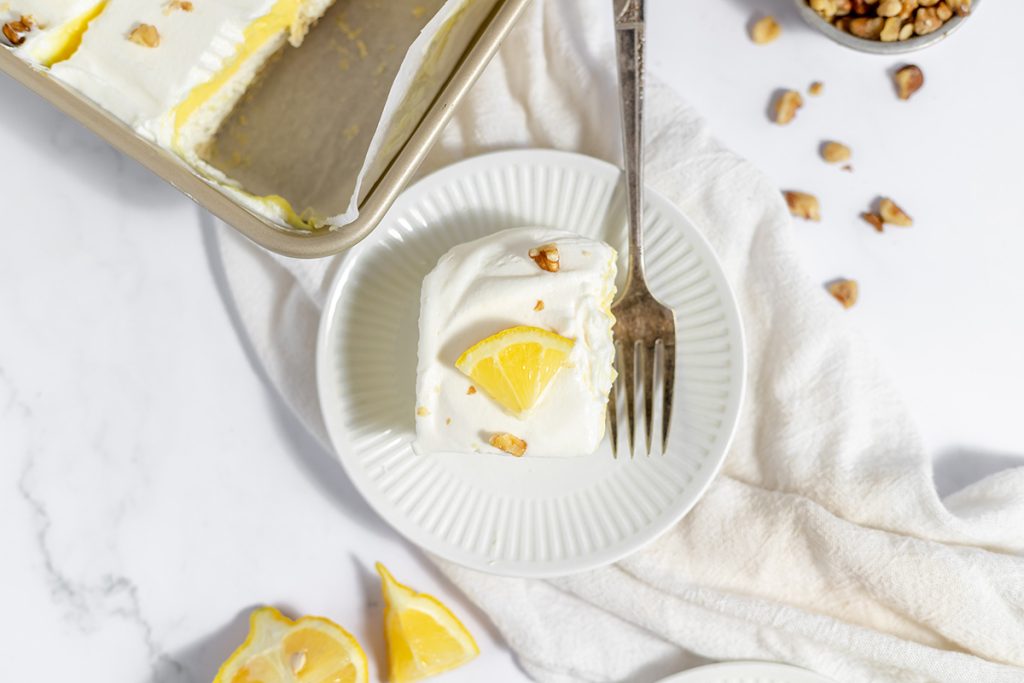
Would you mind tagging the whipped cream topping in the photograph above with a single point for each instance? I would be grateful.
(54, 24)
(483, 287)
(141, 85)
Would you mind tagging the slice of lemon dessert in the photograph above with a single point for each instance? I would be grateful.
(515, 347)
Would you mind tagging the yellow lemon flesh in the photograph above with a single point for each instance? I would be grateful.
(516, 365)
(307, 650)
(424, 637)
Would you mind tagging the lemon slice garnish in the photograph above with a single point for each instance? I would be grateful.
(516, 365)
(424, 637)
(279, 650)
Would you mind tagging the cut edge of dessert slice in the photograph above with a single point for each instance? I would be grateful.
(194, 120)
(516, 366)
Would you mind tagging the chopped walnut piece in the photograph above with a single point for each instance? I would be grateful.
(835, 152)
(875, 220)
(12, 36)
(539, 306)
(423, 411)
(14, 30)
(906, 31)
(816, 88)
(546, 257)
(447, 421)
(867, 27)
(509, 443)
(471, 390)
(926, 21)
(145, 35)
(786, 105)
(803, 205)
(909, 80)
(844, 291)
(889, 8)
(183, 5)
(765, 30)
(961, 7)
(893, 214)
(891, 30)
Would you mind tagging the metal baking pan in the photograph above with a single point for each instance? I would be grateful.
(389, 174)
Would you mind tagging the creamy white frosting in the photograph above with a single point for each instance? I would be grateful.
(141, 85)
(48, 18)
(482, 287)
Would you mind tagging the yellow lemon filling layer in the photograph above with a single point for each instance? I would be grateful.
(63, 41)
(282, 16)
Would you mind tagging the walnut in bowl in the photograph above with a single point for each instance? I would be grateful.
(886, 26)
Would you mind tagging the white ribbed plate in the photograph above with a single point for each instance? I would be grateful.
(747, 672)
(521, 516)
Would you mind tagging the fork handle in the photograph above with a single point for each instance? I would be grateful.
(630, 38)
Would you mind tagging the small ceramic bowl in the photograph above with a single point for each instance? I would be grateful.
(877, 46)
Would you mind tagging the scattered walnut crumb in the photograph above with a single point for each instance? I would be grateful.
(447, 421)
(893, 214)
(816, 88)
(145, 35)
(844, 291)
(803, 205)
(546, 257)
(539, 306)
(509, 443)
(471, 390)
(423, 411)
(765, 30)
(786, 105)
(846, 167)
(835, 152)
(875, 220)
(909, 80)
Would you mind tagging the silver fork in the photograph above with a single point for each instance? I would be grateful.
(642, 323)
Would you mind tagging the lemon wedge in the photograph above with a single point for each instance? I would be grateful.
(516, 365)
(308, 650)
(424, 637)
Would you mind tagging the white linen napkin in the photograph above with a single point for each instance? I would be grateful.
(823, 543)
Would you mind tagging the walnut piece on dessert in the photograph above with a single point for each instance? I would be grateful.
(423, 411)
(539, 306)
(178, 5)
(509, 443)
(546, 257)
(145, 35)
(909, 80)
(471, 390)
(835, 152)
(14, 30)
(765, 30)
(817, 87)
(803, 205)
(893, 214)
(844, 291)
(786, 105)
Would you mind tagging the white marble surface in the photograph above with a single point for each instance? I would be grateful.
(153, 488)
